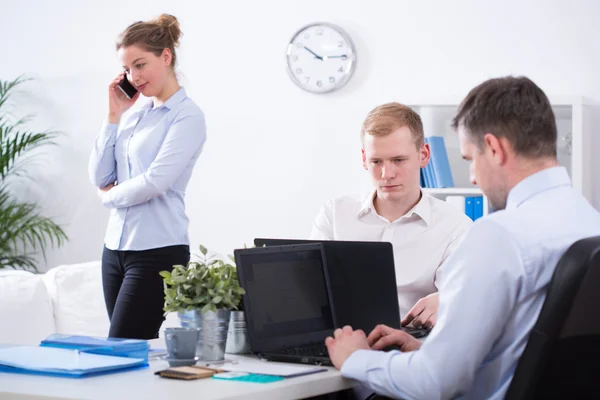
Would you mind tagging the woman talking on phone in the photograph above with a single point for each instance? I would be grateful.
(141, 164)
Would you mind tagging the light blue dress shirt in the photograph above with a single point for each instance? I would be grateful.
(490, 297)
(151, 155)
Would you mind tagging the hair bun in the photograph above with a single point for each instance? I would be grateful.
(171, 24)
(155, 35)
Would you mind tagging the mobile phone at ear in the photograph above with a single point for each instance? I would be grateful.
(127, 88)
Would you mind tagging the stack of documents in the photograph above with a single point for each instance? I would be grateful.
(62, 362)
(95, 345)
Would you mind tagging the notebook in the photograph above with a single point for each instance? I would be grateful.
(62, 362)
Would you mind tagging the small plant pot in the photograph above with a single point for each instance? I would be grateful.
(237, 336)
(213, 332)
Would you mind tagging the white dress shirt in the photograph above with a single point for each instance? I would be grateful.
(151, 154)
(490, 299)
(422, 239)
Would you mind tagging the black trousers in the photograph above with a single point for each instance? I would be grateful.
(134, 290)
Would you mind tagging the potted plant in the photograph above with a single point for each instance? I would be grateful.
(24, 230)
(203, 293)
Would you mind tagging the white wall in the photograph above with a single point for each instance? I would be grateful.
(275, 153)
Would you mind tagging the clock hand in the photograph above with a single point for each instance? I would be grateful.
(313, 53)
(342, 56)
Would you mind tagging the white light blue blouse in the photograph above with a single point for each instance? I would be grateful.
(150, 155)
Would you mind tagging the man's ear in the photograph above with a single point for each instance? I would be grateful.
(424, 155)
(499, 147)
(364, 158)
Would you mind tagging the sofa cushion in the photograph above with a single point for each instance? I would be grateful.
(25, 308)
(78, 299)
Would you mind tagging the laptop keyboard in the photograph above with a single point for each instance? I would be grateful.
(313, 350)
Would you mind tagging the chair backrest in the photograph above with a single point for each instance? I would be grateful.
(562, 356)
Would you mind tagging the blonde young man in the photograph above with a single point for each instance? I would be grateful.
(423, 230)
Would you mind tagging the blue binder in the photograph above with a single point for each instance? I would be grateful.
(72, 363)
(477, 207)
(439, 162)
(428, 175)
(97, 345)
(469, 207)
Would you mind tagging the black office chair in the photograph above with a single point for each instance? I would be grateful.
(562, 356)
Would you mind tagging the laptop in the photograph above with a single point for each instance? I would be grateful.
(286, 305)
(361, 281)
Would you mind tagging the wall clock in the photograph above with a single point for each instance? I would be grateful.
(321, 57)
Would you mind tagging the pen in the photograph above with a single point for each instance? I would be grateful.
(215, 363)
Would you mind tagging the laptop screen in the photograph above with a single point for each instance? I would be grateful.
(362, 281)
(286, 299)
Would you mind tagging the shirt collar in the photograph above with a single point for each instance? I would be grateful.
(422, 208)
(536, 183)
(367, 206)
(171, 102)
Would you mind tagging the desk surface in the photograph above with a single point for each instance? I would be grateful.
(143, 384)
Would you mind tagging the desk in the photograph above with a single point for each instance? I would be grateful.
(142, 384)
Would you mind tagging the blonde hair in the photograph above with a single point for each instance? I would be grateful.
(154, 36)
(387, 118)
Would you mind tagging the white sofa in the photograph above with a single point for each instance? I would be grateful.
(67, 299)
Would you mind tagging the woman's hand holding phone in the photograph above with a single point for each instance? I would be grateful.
(118, 103)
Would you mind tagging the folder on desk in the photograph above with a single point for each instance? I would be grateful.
(134, 348)
(62, 362)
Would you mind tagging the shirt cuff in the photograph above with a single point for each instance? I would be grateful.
(361, 361)
(108, 133)
(108, 198)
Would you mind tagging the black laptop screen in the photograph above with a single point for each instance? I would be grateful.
(287, 294)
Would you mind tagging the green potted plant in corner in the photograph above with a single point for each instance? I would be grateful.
(24, 231)
(203, 294)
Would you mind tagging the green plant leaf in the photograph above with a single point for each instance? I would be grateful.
(23, 230)
(204, 285)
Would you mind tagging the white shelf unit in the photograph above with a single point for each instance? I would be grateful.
(573, 123)
(452, 191)
(441, 193)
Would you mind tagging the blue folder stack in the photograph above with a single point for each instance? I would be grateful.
(72, 363)
(134, 348)
(75, 356)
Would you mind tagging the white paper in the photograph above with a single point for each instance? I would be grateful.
(257, 366)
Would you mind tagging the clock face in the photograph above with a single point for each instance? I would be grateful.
(321, 58)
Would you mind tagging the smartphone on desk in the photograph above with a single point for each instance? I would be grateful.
(127, 88)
